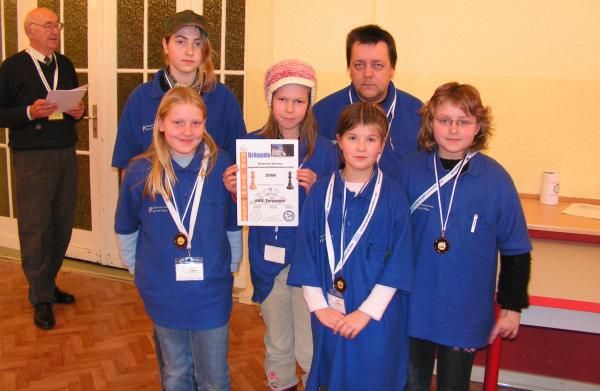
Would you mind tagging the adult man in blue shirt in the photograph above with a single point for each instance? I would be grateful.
(371, 60)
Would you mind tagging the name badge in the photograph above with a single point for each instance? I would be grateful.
(55, 116)
(274, 254)
(189, 269)
(335, 300)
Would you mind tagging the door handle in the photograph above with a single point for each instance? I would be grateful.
(94, 118)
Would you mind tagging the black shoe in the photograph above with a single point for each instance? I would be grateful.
(63, 297)
(43, 316)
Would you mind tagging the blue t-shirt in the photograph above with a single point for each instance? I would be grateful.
(224, 120)
(192, 305)
(402, 139)
(377, 359)
(452, 302)
(323, 161)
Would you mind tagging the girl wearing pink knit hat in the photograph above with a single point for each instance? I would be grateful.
(290, 92)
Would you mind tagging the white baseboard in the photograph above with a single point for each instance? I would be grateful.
(528, 381)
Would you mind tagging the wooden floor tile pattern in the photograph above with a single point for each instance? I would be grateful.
(103, 341)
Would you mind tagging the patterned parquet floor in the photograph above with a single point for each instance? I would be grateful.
(103, 341)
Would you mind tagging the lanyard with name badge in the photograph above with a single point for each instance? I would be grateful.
(188, 268)
(339, 284)
(57, 115)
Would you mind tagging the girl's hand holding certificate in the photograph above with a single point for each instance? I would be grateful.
(306, 178)
(230, 179)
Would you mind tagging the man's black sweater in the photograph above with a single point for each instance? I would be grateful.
(20, 86)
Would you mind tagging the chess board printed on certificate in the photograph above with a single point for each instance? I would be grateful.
(267, 186)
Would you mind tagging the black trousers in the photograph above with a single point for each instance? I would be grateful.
(46, 194)
(453, 367)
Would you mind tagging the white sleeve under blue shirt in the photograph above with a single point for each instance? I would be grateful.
(128, 242)
(200, 304)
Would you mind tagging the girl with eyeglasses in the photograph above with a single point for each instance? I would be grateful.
(464, 210)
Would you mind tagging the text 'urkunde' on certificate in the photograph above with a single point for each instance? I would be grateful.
(267, 186)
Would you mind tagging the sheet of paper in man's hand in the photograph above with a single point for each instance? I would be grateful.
(66, 99)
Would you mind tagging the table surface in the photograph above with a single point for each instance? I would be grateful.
(549, 218)
(565, 274)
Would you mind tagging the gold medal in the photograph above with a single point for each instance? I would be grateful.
(180, 240)
(441, 246)
(340, 284)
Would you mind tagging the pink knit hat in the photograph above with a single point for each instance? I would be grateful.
(289, 72)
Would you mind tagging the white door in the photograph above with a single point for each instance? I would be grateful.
(75, 44)
(115, 46)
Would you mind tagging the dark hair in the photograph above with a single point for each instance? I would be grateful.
(467, 98)
(361, 113)
(372, 34)
(308, 129)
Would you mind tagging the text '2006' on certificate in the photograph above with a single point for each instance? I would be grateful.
(267, 186)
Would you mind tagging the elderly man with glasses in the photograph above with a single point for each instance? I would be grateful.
(42, 142)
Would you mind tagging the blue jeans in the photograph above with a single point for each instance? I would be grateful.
(194, 359)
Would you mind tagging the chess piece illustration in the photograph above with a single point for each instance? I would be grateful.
(290, 186)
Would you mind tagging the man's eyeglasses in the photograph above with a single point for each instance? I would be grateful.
(50, 26)
(461, 123)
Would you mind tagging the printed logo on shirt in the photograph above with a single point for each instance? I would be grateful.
(147, 128)
(158, 209)
(322, 238)
(425, 207)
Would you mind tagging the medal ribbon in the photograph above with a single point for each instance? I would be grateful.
(345, 252)
(437, 183)
(41, 73)
(391, 110)
(196, 195)
(435, 187)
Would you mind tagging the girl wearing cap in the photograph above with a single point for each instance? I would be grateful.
(188, 55)
(290, 92)
(354, 263)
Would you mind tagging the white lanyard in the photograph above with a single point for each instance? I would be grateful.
(196, 194)
(443, 222)
(345, 252)
(435, 187)
(391, 110)
(41, 73)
